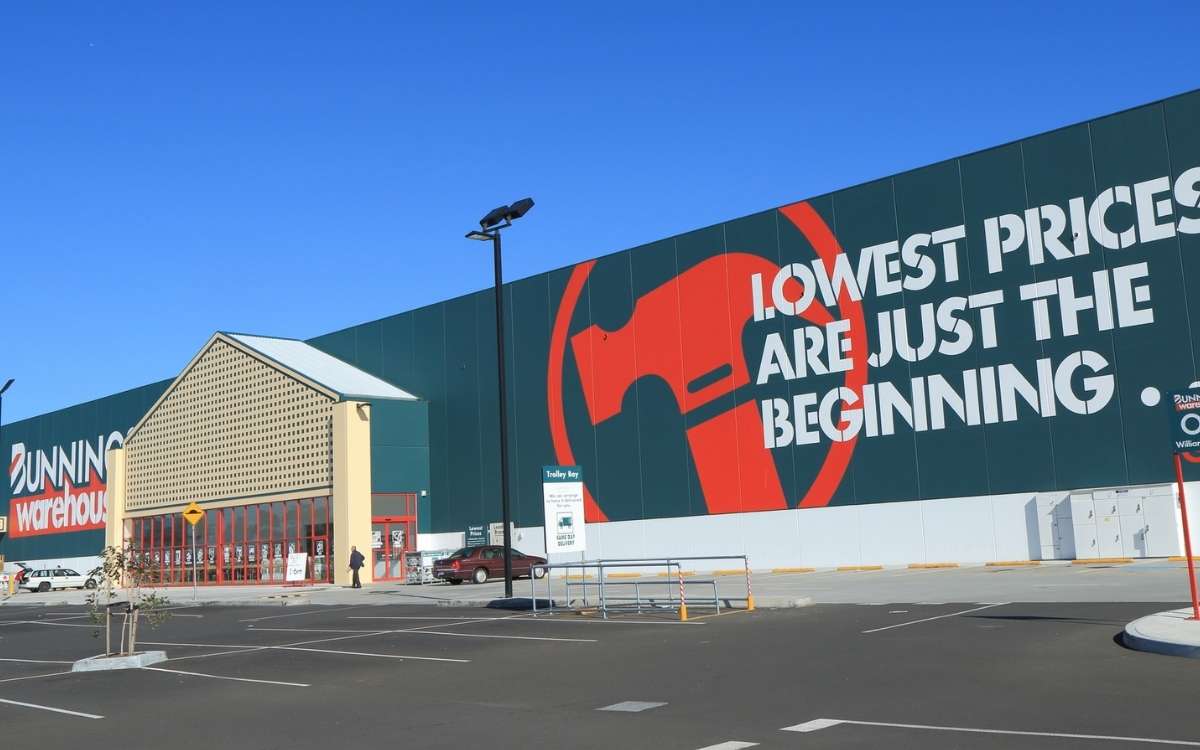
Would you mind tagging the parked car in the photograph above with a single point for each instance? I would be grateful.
(56, 578)
(478, 564)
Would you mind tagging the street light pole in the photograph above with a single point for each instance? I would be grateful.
(489, 229)
(505, 512)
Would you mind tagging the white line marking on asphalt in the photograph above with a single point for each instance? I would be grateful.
(218, 653)
(530, 618)
(44, 622)
(305, 612)
(814, 725)
(897, 611)
(431, 632)
(423, 617)
(227, 677)
(52, 708)
(385, 656)
(201, 645)
(39, 661)
(931, 619)
(731, 745)
(307, 630)
(292, 647)
(35, 676)
(505, 637)
(631, 706)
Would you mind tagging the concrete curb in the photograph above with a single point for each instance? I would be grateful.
(109, 663)
(1170, 633)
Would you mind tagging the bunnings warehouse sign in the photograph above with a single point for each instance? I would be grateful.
(1185, 422)
(60, 488)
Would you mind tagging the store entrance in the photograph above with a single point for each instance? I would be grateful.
(392, 536)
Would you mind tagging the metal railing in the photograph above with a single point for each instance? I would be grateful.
(612, 596)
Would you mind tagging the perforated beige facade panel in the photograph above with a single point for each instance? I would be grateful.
(231, 427)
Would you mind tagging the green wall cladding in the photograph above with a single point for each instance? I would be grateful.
(664, 451)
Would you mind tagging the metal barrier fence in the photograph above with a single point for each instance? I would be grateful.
(611, 584)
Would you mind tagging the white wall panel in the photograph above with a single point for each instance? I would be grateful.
(1014, 527)
(958, 530)
(828, 536)
(445, 540)
(891, 533)
(772, 539)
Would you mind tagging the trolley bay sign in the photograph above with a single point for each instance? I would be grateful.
(562, 495)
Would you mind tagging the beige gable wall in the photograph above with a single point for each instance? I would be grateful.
(233, 427)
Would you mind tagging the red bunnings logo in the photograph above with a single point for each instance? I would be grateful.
(701, 362)
(59, 490)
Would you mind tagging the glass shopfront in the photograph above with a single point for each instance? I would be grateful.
(244, 544)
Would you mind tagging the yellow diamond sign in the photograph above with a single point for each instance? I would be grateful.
(193, 513)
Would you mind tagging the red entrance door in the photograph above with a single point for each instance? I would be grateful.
(391, 537)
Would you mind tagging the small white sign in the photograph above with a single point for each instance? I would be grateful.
(297, 566)
(376, 539)
(562, 496)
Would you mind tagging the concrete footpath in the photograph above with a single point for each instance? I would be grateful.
(1138, 581)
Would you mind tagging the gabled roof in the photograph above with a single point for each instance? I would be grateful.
(344, 379)
(327, 374)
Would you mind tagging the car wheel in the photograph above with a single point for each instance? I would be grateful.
(454, 581)
(539, 573)
(480, 575)
(91, 583)
(44, 586)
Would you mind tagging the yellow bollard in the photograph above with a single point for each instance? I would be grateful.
(682, 612)
(750, 603)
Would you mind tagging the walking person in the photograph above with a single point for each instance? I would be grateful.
(356, 562)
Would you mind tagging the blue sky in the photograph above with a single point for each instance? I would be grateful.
(171, 169)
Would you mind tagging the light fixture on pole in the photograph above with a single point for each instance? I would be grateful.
(489, 229)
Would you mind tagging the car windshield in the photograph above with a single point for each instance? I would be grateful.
(464, 552)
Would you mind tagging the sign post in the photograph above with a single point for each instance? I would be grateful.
(562, 498)
(1185, 438)
(192, 514)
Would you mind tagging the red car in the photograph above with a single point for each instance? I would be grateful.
(479, 564)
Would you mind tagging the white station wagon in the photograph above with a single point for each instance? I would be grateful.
(56, 578)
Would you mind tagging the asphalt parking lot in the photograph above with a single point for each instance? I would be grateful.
(442, 677)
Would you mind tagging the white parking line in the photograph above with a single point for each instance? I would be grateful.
(818, 724)
(431, 632)
(931, 619)
(731, 745)
(35, 676)
(633, 706)
(44, 622)
(292, 647)
(227, 677)
(423, 617)
(39, 661)
(505, 637)
(305, 612)
(52, 708)
(384, 656)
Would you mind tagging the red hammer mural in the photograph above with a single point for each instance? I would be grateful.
(700, 362)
